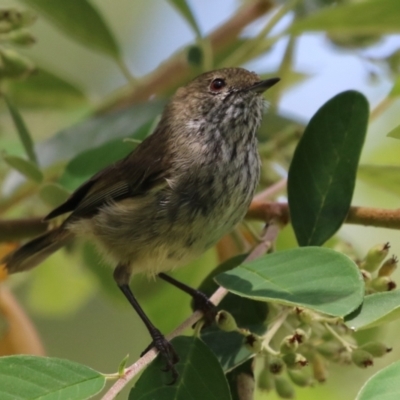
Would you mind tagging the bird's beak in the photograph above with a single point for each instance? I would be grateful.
(262, 86)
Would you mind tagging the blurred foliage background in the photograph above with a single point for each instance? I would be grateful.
(101, 73)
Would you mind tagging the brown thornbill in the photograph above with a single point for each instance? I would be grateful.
(175, 195)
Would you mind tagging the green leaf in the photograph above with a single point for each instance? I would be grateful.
(91, 161)
(45, 89)
(95, 131)
(81, 21)
(186, 12)
(30, 377)
(366, 17)
(200, 375)
(322, 174)
(377, 309)
(386, 177)
(195, 56)
(23, 132)
(395, 133)
(53, 194)
(24, 167)
(396, 88)
(317, 278)
(384, 385)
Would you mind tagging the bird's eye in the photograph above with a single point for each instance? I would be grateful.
(217, 84)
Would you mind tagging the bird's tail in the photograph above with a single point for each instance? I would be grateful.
(35, 251)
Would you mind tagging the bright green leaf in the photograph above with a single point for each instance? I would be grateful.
(396, 88)
(186, 12)
(200, 375)
(81, 21)
(317, 278)
(24, 167)
(29, 377)
(366, 17)
(322, 174)
(91, 161)
(377, 309)
(395, 133)
(386, 177)
(22, 129)
(384, 385)
(44, 89)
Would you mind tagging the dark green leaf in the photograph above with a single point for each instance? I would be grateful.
(384, 385)
(44, 89)
(96, 131)
(30, 377)
(376, 309)
(366, 17)
(24, 167)
(200, 376)
(317, 278)
(323, 170)
(386, 177)
(87, 163)
(186, 12)
(195, 56)
(22, 130)
(81, 21)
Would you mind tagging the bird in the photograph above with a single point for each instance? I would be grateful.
(174, 196)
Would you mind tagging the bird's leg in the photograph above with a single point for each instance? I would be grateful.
(201, 301)
(122, 277)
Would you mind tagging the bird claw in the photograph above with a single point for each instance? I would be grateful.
(202, 303)
(167, 351)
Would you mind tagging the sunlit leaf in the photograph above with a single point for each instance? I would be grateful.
(322, 174)
(81, 21)
(386, 177)
(186, 12)
(377, 309)
(200, 375)
(384, 385)
(395, 133)
(317, 278)
(22, 130)
(365, 17)
(25, 167)
(29, 377)
(45, 89)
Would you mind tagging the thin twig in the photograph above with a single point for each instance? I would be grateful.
(268, 238)
(273, 328)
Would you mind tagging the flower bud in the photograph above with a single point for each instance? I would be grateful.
(13, 65)
(288, 345)
(21, 37)
(284, 388)
(383, 284)
(374, 257)
(388, 267)
(294, 360)
(265, 380)
(276, 365)
(299, 378)
(319, 370)
(225, 321)
(366, 276)
(304, 315)
(362, 358)
(329, 350)
(377, 349)
(253, 343)
(245, 386)
(300, 336)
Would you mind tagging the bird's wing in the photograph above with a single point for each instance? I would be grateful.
(143, 169)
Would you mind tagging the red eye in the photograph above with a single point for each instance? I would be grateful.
(217, 84)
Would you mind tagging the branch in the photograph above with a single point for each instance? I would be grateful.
(268, 238)
(176, 70)
(368, 216)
